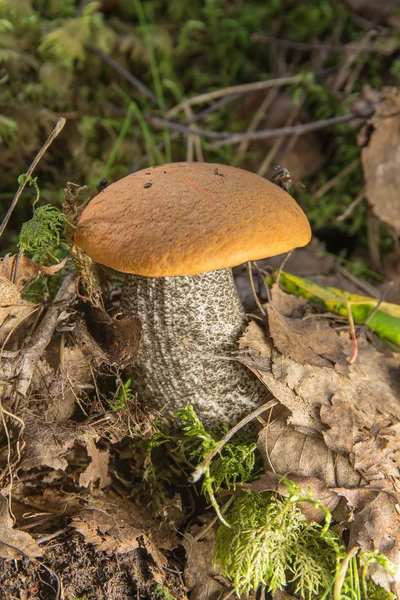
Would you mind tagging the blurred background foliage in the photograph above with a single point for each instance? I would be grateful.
(54, 60)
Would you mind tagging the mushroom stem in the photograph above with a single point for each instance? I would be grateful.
(190, 326)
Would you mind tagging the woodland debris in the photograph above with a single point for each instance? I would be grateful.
(48, 444)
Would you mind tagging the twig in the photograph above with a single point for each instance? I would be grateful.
(332, 182)
(283, 263)
(211, 524)
(265, 134)
(51, 536)
(134, 81)
(201, 115)
(294, 113)
(360, 196)
(344, 72)
(195, 476)
(353, 335)
(253, 289)
(359, 65)
(381, 299)
(363, 285)
(309, 47)
(225, 137)
(194, 141)
(263, 275)
(243, 88)
(58, 127)
(259, 115)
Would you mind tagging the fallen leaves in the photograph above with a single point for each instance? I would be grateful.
(337, 431)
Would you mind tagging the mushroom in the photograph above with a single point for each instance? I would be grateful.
(177, 230)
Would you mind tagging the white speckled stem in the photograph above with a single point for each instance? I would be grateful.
(189, 329)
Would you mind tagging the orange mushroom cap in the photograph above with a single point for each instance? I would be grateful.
(189, 218)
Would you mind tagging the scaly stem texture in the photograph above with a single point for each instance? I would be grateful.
(189, 330)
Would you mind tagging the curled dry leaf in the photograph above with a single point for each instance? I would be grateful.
(381, 159)
(21, 270)
(119, 338)
(286, 450)
(14, 544)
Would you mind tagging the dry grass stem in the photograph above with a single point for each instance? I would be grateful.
(57, 129)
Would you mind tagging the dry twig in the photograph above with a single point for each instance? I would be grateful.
(58, 127)
(332, 182)
(243, 88)
(134, 81)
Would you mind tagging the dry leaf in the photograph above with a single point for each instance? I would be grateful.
(20, 270)
(377, 527)
(200, 572)
(381, 159)
(116, 525)
(14, 544)
(97, 470)
(286, 450)
(365, 440)
(49, 444)
(307, 342)
(15, 314)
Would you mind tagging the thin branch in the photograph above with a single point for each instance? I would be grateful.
(58, 127)
(353, 334)
(283, 263)
(293, 114)
(253, 415)
(259, 116)
(332, 182)
(378, 304)
(360, 196)
(134, 81)
(311, 46)
(201, 115)
(244, 88)
(265, 134)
